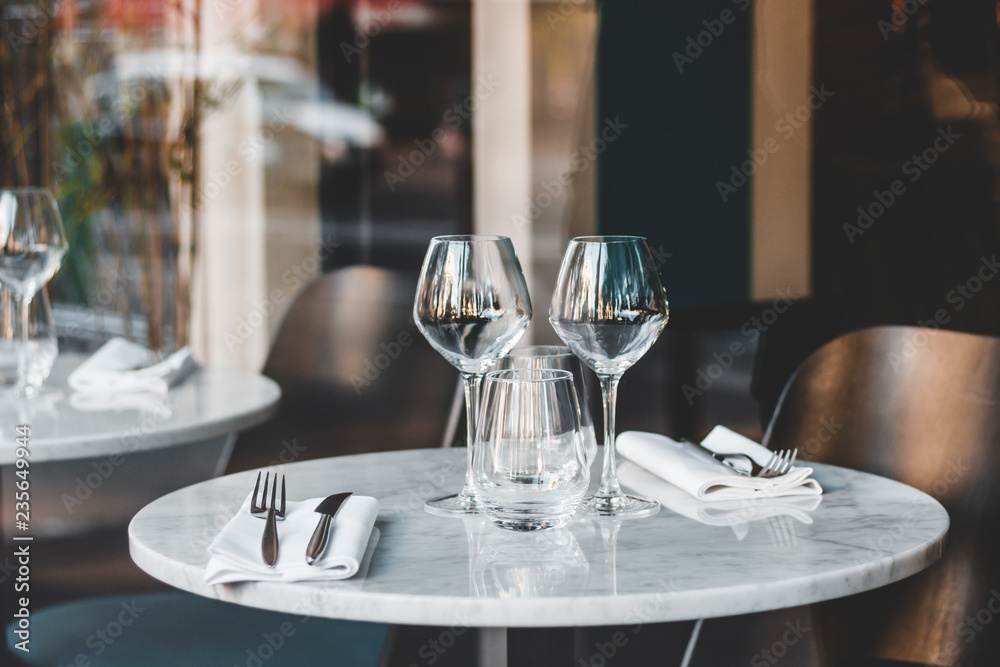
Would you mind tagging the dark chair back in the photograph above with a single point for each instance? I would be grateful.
(355, 373)
(919, 406)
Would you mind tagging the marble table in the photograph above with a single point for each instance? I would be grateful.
(211, 402)
(866, 532)
(95, 462)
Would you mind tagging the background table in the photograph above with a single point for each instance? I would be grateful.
(93, 468)
(868, 531)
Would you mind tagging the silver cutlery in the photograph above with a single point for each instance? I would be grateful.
(779, 464)
(269, 540)
(328, 510)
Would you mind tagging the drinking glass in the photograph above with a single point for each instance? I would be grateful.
(558, 357)
(609, 308)
(530, 460)
(472, 305)
(32, 245)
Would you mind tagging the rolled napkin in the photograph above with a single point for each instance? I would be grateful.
(732, 513)
(236, 554)
(124, 366)
(696, 472)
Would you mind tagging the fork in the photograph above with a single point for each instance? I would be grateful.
(780, 463)
(269, 540)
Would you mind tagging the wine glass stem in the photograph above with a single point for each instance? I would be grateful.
(472, 382)
(609, 477)
(23, 307)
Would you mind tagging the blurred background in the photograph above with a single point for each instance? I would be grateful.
(260, 180)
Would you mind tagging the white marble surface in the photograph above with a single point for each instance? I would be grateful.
(867, 532)
(211, 402)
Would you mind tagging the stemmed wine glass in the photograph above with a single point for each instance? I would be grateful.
(609, 308)
(472, 305)
(32, 245)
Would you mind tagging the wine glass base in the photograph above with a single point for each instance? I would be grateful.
(456, 504)
(626, 507)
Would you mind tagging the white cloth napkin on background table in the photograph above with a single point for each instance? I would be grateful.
(697, 473)
(123, 366)
(236, 553)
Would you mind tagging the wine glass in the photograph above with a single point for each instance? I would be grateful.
(609, 307)
(32, 245)
(472, 305)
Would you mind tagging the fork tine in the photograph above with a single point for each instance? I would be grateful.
(253, 501)
(795, 453)
(274, 492)
(769, 467)
(281, 512)
(786, 462)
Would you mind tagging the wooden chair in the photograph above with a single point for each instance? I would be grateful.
(921, 406)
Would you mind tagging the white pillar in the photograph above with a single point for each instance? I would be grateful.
(501, 136)
(229, 325)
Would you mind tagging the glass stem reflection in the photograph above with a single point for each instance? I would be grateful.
(609, 477)
(23, 308)
(472, 383)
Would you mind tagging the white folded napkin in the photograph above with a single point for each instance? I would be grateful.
(697, 473)
(124, 366)
(733, 513)
(236, 553)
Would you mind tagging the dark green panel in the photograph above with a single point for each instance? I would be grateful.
(688, 123)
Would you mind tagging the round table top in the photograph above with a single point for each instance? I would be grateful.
(866, 532)
(208, 403)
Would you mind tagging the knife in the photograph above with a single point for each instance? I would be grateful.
(328, 508)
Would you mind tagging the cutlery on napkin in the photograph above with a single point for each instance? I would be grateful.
(123, 366)
(697, 473)
(733, 513)
(235, 552)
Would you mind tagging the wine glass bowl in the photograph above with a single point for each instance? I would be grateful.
(472, 306)
(609, 307)
(32, 245)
